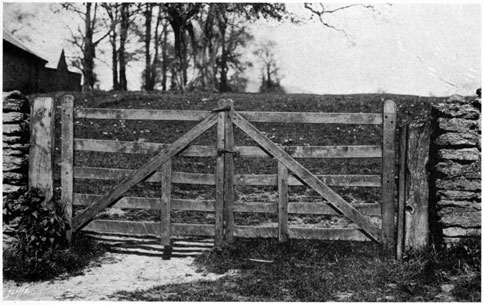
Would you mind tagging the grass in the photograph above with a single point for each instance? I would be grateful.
(315, 271)
(61, 262)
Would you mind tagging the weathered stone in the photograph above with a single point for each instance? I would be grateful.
(452, 206)
(9, 189)
(12, 129)
(12, 152)
(14, 178)
(458, 195)
(452, 169)
(458, 184)
(454, 124)
(457, 110)
(12, 163)
(14, 117)
(460, 232)
(457, 139)
(462, 219)
(465, 154)
(456, 98)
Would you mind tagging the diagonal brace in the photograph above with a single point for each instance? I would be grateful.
(311, 180)
(144, 171)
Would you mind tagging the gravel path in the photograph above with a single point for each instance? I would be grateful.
(114, 272)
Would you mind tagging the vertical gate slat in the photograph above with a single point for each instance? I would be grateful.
(67, 159)
(282, 189)
(219, 180)
(388, 174)
(229, 171)
(165, 230)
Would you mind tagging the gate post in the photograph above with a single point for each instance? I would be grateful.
(42, 148)
(67, 159)
(388, 174)
(229, 171)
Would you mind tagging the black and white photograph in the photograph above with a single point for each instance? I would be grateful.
(241, 151)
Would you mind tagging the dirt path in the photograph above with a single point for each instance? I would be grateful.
(114, 272)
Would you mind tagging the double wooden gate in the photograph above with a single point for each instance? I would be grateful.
(290, 172)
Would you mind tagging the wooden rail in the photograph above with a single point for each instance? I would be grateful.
(252, 116)
(99, 173)
(321, 152)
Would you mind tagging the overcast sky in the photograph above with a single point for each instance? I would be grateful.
(422, 49)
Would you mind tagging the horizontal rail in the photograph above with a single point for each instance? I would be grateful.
(301, 233)
(130, 147)
(177, 229)
(253, 116)
(316, 208)
(139, 114)
(99, 173)
(146, 228)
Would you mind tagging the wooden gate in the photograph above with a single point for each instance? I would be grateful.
(290, 172)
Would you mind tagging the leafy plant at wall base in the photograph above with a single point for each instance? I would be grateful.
(38, 229)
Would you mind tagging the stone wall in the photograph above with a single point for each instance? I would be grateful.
(16, 136)
(456, 170)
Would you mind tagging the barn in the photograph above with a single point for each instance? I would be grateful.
(25, 70)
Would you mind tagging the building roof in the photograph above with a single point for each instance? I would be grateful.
(14, 41)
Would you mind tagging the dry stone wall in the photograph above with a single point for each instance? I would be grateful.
(16, 137)
(457, 169)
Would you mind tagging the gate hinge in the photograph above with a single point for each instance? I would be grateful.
(224, 151)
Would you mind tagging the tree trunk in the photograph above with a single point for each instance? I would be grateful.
(149, 84)
(115, 60)
(165, 56)
(224, 87)
(154, 65)
(123, 84)
(88, 60)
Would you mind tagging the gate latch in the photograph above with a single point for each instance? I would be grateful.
(221, 109)
(225, 151)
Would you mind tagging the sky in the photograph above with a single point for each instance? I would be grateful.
(428, 49)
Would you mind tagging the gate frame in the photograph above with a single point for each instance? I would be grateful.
(225, 117)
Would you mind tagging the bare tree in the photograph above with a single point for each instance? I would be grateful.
(269, 69)
(84, 39)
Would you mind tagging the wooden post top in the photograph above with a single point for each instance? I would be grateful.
(389, 106)
(226, 103)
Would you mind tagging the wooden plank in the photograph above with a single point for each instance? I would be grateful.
(149, 203)
(282, 189)
(315, 208)
(145, 228)
(41, 153)
(219, 178)
(131, 147)
(140, 114)
(335, 200)
(323, 152)
(143, 172)
(312, 117)
(67, 159)
(165, 212)
(229, 171)
(101, 173)
(401, 193)
(327, 234)
(388, 176)
(301, 233)
(417, 229)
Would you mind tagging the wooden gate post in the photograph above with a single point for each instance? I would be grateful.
(67, 159)
(401, 192)
(388, 175)
(282, 189)
(41, 153)
(219, 181)
(417, 186)
(229, 171)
